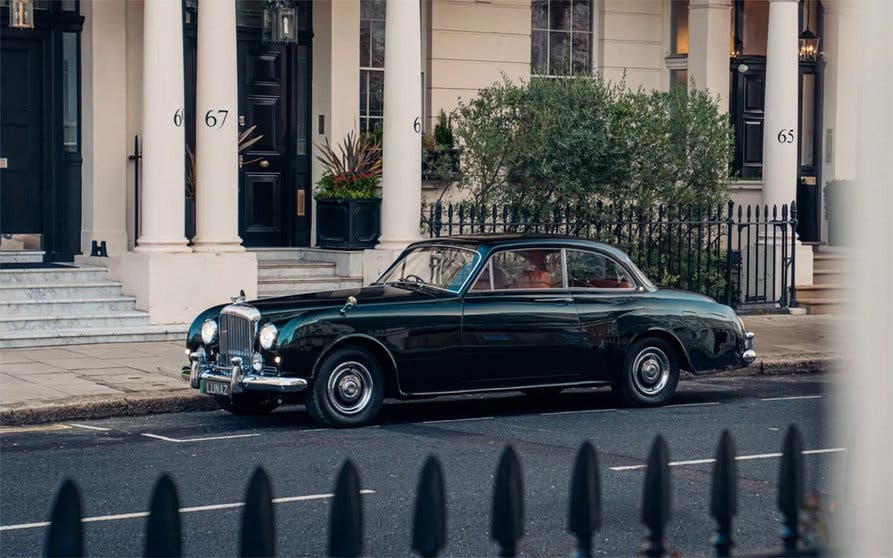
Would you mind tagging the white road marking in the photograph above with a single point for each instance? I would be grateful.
(208, 439)
(456, 420)
(738, 458)
(88, 427)
(579, 411)
(791, 398)
(193, 509)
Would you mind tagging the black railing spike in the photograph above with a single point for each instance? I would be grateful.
(65, 536)
(346, 518)
(429, 520)
(790, 488)
(507, 515)
(585, 511)
(163, 524)
(656, 498)
(258, 530)
(724, 494)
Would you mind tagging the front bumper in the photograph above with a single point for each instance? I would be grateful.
(238, 377)
(748, 355)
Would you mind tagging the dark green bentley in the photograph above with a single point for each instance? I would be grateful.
(465, 314)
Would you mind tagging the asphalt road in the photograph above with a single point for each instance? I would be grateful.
(211, 455)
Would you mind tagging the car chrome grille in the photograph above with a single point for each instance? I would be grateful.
(238, 323)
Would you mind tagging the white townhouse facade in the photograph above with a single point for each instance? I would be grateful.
(102, 99)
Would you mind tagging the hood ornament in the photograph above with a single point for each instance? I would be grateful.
(351, 302)
(238, 299)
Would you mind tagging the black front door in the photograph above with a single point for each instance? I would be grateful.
(22, 135)
(746, 104)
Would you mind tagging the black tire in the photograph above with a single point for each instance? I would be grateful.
(641, 385)
(339, 395)
(248, 404)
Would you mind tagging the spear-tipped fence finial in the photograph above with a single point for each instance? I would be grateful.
(724, 494)
(790, 488)
(656, 498)
(258, 529)
(507, 517)
(346, 519)
(65, 537)
(585, 513)
(429, 520)
(163, 525)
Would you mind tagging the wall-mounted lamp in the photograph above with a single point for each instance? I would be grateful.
(280, 22)
(809, 42)
(21, 14)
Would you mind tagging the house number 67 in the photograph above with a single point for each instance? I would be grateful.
(417, 124)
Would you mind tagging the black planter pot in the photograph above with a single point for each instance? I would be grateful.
(348, 224)
(190, 219)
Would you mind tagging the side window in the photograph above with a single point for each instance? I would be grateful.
(590, 270)
(522, 269)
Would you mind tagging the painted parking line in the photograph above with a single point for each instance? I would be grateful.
(207, 439)
(737, 458)
(212, 507)
(456, 420)
(578, 411)
(35, 428)
(791, 398)
(88, 427)
(694, 404)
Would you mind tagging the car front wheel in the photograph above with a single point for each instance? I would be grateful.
(348, 389)
(650, 373)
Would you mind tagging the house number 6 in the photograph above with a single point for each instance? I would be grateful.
(417, 124)
(785, 136)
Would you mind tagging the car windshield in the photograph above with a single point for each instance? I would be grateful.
(441, 267)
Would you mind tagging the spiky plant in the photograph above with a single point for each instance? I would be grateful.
(351, 168)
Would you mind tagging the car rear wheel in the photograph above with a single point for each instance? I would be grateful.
(348, 389)
(650, 373)
(249, 404)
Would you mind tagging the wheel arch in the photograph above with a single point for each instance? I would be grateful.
(376, 348)
(681, 352)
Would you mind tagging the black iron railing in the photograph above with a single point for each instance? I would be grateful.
(743, 256)
(429, 531)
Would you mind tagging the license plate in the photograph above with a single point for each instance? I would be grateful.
(216, 388)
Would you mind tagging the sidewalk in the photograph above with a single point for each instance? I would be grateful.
(44, 384)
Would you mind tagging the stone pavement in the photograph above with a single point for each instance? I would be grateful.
(58, 383)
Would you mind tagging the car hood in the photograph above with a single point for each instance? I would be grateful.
(679, 294)
(375, 294)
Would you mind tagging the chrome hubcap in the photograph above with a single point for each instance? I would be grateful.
(350, 388)
(651, 371)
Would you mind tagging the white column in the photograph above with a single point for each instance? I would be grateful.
(216, 130)
(780, 130)
(162, 202)
(708, 47)
(402, 163)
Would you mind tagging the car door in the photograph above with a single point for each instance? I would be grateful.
(602, 289)
(519, 324)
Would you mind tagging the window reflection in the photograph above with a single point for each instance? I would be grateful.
(560, 37)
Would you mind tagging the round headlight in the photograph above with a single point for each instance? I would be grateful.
(209, 332)
(267, 336)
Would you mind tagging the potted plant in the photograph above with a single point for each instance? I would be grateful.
(348, 208)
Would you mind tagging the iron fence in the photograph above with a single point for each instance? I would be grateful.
(741, 255)
(163, 536)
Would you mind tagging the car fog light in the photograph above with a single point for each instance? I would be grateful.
(209, 332)
(267, 336)
(257, 362)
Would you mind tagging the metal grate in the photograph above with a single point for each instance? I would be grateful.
(236, 336)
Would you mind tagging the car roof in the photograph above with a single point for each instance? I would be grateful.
(517, 240)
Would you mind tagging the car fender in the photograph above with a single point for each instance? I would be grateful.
(365, 341)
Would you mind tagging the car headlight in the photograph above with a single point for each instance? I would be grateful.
(740, 321)
(267, 336)
(209, 332)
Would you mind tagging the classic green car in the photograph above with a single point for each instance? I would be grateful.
(465, 314)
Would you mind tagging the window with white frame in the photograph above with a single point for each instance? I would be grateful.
(677, 59)
(560, 37)
(372, 18)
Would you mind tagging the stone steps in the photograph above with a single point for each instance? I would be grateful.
(826, 276)
(21, 256)
(43, 307)
(43, 338)
(59, 291)
(289, 271)
(267, 288)
(291, 268)
(823, 306)
(84, 322)
(53, 275)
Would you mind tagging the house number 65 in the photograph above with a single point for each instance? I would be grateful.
(417, 124)
(785, 136)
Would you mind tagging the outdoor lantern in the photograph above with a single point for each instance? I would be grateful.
(21, 14)
(809, 46)
(279, 22)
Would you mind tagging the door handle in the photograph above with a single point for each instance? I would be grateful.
(264, 164)
(561, 299)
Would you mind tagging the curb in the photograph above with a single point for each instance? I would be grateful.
(187, 400)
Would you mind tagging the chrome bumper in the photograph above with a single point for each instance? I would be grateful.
(749, 355)
(238, 377)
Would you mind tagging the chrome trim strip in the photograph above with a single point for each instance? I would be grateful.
(511, 388)
(253, 382)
